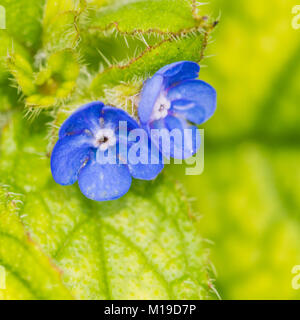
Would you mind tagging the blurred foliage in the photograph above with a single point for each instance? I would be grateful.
(249, 192)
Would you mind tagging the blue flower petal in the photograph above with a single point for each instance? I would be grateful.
(179, 71)
(146, 171)
(194, 99)
(102, 182)
(149, 95)
(152, 160)
(175, 137)
(188, 110)
(187, 138)
(157, 124)
(68, 156)
(85, 118)
(163, 79)
(112, 117)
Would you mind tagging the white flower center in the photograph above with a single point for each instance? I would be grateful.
(105, 138)
(161, 107)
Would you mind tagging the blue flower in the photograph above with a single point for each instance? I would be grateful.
(85, 138)
(174, 98)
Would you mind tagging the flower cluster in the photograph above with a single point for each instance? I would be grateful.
(104, 148)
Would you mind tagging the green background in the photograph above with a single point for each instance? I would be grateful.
(249, 193)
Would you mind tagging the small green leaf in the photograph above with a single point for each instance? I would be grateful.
(51, 84)
(22, 70)
(143, 246)
(9, 45)
(8, 92)
(60, 30)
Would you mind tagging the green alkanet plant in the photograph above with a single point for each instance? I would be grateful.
(56, 243)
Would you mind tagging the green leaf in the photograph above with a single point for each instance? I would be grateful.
(145, 16)
(52, 83)
(29, 273)
(143, 246)
(60, 24)
(8, 48)
(169, 50)
(8, 95)
(22, 70)
(123, 31)
(8, 45)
